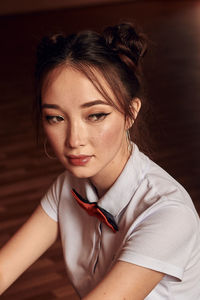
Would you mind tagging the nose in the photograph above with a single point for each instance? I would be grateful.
(75, 135)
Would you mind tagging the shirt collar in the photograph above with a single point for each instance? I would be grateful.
(121, 192)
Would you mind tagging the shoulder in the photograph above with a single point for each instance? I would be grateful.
(159, 184)
(157, 194)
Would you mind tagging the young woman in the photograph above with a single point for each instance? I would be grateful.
(128, 229)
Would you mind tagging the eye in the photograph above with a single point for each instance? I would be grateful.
(98, 116)
(54, 119)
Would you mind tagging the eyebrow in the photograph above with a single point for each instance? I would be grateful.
(46, 105)
(95, 102)
(84, 105)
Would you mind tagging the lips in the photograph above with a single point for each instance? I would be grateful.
(79, 160)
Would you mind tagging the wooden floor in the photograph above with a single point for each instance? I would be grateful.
(173, 83)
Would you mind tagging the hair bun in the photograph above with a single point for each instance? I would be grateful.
(126, 42)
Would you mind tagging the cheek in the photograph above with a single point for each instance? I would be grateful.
(55, 137)
(110, 134)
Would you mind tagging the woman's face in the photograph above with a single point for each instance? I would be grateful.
(87, 134)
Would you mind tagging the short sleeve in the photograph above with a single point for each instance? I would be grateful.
(50, 201)
(163, 241)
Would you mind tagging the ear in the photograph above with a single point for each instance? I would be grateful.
(135, 108)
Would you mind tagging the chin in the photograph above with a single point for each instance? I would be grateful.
(80, 172)
(79, 175)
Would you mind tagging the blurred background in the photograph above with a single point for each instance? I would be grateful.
(172, 71)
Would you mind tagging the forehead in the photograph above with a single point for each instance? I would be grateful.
(66, 81)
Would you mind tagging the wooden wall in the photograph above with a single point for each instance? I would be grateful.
(24, 6)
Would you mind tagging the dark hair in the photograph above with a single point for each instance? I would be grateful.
(116, 54)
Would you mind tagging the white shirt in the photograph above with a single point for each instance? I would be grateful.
(158, 229)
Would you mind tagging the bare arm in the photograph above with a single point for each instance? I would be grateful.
(126, 281)
(26, 246)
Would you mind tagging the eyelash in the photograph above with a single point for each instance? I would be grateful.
(54, 119)
(93, 117)
(98, 116)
